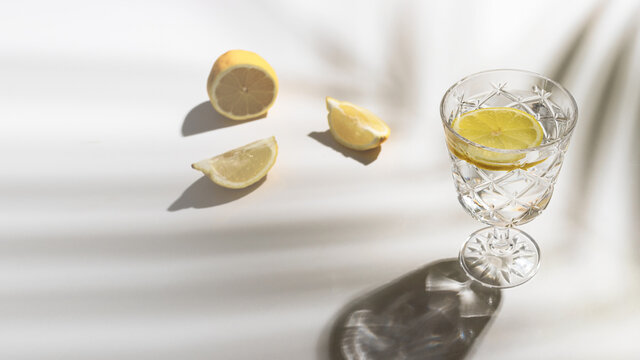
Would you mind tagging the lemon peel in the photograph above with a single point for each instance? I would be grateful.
(242, 166)
(355, 127)
(242, 85)
(495, 128)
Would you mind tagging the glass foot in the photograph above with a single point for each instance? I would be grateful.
(500, 257)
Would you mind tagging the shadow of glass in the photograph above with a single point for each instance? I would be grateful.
(364, 157)
(435, 312)
(204, 117)
(204, 194)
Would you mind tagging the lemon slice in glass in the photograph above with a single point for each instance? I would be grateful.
(499, 128)
(241, 167)
(355, 127)
(242, 85)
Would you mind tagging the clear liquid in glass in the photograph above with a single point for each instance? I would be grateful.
(515, 196)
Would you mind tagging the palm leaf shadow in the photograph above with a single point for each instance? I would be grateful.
(605, 104)
(563, 65)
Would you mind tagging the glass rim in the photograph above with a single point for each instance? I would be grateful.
(573, 119)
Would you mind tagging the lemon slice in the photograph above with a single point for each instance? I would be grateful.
(242, 85)
(498, 128)
(355, 127)
(241, 167)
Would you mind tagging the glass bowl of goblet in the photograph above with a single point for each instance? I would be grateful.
(505, 188)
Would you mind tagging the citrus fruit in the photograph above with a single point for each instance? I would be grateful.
(241, 167)
(498, 128)
(355, 127)
(242, 85)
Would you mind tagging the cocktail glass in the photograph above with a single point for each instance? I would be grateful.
(506, 188)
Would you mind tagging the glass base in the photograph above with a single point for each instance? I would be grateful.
(500, 257)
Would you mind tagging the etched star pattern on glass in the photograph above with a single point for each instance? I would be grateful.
(514, 186)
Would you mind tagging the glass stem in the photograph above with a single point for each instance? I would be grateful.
(501, 243)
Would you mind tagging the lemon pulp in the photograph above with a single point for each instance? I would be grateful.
(355, 127)
(241, 167)
(498, 128)
(242, 85)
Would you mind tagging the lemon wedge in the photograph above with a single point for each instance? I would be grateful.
(499, 128)
(242, 85)
(355, 127)
(241, 167)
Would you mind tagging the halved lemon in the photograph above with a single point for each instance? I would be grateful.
(355, 127)
(241, 167)
(499, 128)
(242, 85)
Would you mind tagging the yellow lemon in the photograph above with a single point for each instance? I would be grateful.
(241, 167)
(355, 127)
(499, 128)
(242, 85)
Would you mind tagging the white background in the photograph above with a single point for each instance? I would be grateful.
(112, 247)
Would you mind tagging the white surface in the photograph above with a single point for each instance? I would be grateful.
(93, 101)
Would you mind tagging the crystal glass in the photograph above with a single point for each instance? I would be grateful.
(506, 188)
